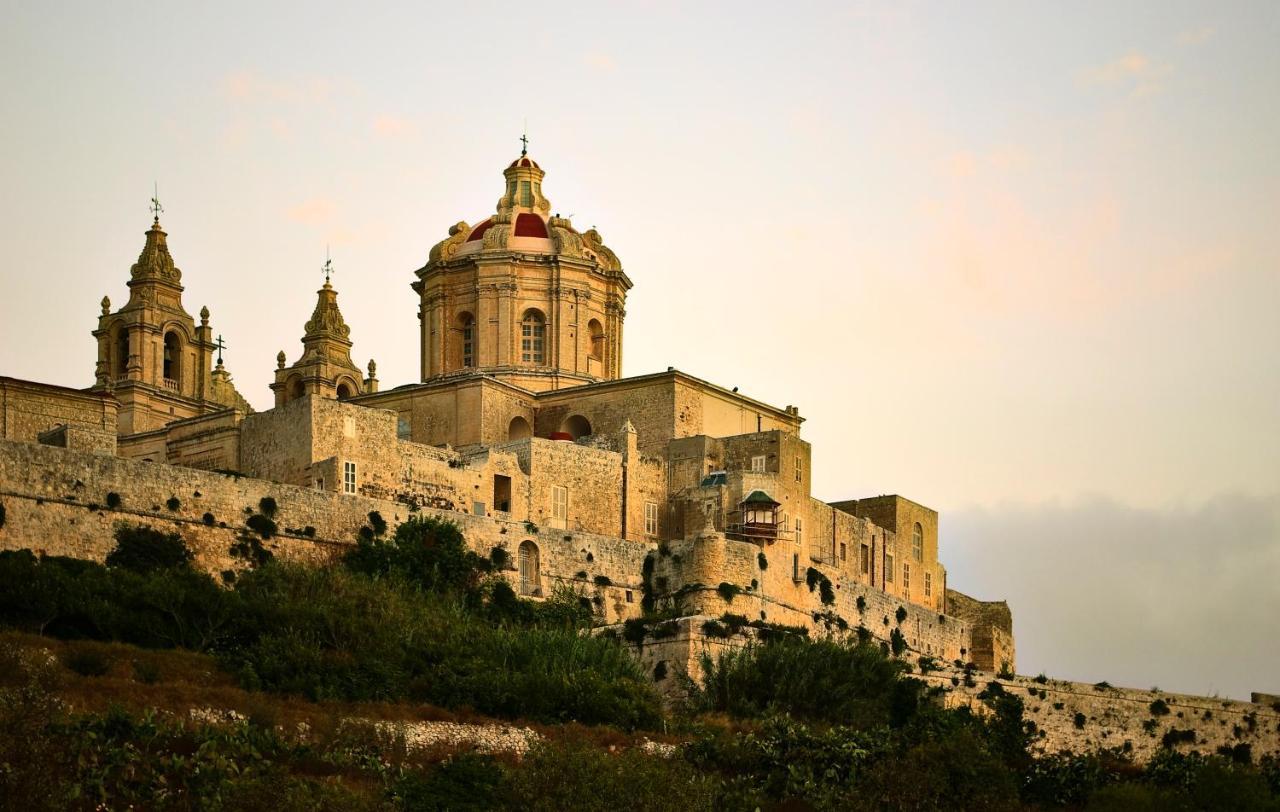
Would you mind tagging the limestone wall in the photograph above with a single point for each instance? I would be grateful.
(29, 410)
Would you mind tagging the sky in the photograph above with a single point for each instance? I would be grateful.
(1016, 261)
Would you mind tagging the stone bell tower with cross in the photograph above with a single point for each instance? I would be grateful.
(325, 368)
(152, 355)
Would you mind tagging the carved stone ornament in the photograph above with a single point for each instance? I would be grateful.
(446, 248)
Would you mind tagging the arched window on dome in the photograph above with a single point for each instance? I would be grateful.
(596, 332)
(533, 338)
(467, 332)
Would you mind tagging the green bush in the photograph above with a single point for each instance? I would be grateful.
(87, 660)
(142, 549)
(901, 614)
(426, 552)
(821, 680)
(762, 560)
(1159, 708)
(173, 503)
(728, 591)
(897, 643)
(267, 507)
(262, 525)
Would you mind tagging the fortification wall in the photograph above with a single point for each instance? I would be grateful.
(691, 573)
(56, 503)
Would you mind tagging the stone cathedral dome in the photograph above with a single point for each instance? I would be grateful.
(524, 223)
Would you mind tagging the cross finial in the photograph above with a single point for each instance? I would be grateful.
(156, 208)
(221, 345)
(524, 142)
(328, 265)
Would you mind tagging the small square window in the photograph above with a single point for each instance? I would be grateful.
(758, 464)
(630, 599)
(348, 477)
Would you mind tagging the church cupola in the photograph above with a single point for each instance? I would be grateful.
(325, 368)
(523, 295)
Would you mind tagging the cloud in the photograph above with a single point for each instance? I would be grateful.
(313, 212)
(1196, 36)
(600, 61)
(391, 126)
(1134, 69)
(1182, 597)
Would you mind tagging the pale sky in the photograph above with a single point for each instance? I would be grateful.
(1019, 262)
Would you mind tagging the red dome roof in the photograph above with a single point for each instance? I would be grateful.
(523, 161)
(530, 225)
(478, 231)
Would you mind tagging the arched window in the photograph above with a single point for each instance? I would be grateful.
(530, 573)
(294, 389)
(467, 326)
(122, 351)
(172, 357)
(519, 429)
(533, 338)
(344, 390)
(577, 426)
(596, 331)
(917, 542)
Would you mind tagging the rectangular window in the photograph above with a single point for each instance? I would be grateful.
(888, 568)
(478, 508)
(799, 532)
(843, 557)
(795, 566)
(928, 584)
(320, 484)
(651, 518)
(348, 477)
(403, 429)
(560, 503)
(866, 560)
(533, 341)
(799, 469)
(906, 578)
(468, 345)
(526, 194)
(630, 598)
(758, 464)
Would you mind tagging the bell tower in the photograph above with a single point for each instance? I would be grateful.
(151, 353)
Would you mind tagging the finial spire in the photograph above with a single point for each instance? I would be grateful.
(524, 141)
(156, 208)
(221, 345)
(328, 266)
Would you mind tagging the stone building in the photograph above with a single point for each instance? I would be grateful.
(522, 429)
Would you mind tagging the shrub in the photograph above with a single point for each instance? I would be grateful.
(826, 592)
(87, 660)
(1078, 720)
(660, 671)
(1159, 708)
(468, 782)
(1040, 678)
(378, 523)
(812, 577)
(267, 507)
(113, 500)
(714, 628)
(762, 560)
(261, 525)
(821, 680)
(208, 519)
(142, 549)
(861, 603)
(499, 558)
(897, 643)
(1101, 686)
(901, 614)
(602, 581)
(173, 503)
(728, 591)
(1174, 737)
(427, 552)
(146, 671)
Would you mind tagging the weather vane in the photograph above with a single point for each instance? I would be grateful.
(156, 208)
(328, 265)
(221, 345)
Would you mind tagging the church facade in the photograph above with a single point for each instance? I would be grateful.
(659, 490)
